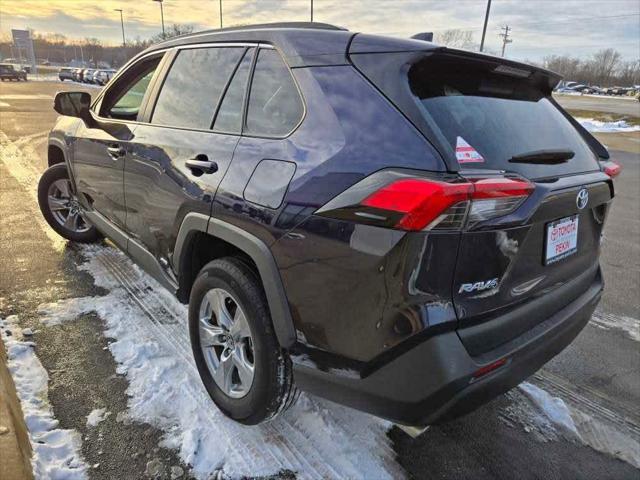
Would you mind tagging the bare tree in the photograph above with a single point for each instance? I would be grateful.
(93, 50)
(174, 30)
(629, 73)
(456, 38)
(567, 66)
(603, 64)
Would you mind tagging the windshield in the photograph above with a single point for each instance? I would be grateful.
(486, 118)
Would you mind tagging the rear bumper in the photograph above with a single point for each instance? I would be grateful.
(433, 382)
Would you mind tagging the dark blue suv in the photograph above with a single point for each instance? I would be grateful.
(399, 227)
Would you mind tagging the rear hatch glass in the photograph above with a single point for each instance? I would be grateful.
(482, 110)
(487, 116)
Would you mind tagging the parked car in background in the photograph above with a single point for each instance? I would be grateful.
(102, 77)
(9, 72)
(402, 228)
(88, 75)
(65, 74)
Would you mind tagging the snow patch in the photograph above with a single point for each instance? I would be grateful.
(607, 321)
(552, 407)
(56, 451)
(61, 311)
(549, 417)
(96, 416)
(314, 438)
(598, 126)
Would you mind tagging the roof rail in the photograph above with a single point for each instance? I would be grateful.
(309, 25)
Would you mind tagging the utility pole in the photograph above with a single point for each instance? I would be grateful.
(311, 11)
(121, 23)
(220, 13)
(161, 16)
(505, 37)
(486, 20)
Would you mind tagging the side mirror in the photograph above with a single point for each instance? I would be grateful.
(73, 104)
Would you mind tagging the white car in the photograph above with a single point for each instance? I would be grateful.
(88, 75)
(101, 77)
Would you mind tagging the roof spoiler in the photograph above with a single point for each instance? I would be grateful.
(424, 36)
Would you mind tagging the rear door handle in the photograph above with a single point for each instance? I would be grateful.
(201, 164)
(116, 151)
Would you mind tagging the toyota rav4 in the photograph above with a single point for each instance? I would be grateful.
(403, 228)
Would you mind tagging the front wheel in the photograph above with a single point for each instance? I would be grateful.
(244, 369)
(60, 208)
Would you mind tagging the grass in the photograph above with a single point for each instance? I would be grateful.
(604, 116)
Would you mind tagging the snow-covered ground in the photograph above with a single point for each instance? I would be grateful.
(56, 451)
(598, 126)
(316, 439)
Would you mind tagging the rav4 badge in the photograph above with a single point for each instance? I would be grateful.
(478, 286)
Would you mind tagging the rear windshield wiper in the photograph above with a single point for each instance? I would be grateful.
(543, 157)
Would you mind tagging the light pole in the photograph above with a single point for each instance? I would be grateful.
(311, 11)
(121, 23)
(486, 20)
(161, 16)
(220, 13)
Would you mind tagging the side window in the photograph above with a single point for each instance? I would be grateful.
(124, 98)
(275, 107)
(229, 118)
(194, 85)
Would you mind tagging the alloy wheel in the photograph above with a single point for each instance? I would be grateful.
(65, 208)
(226, 342)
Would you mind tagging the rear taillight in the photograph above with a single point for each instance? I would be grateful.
(611, 168)
(422, 202)
(413, 204)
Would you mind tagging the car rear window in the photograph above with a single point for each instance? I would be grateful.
(480, 109)
(488, 115)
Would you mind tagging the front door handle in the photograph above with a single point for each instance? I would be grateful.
(201, 164)
(116, 151)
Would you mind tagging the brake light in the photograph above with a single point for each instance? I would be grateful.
(431, 204)
(421, 201)
(612, 169)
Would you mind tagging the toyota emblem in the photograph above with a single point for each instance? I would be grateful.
(582, 199)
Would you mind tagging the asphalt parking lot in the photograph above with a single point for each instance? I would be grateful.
(621, 105)
(596, 379)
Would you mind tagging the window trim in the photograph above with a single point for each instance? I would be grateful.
(168, 56)
(244, 94)
(165, 74)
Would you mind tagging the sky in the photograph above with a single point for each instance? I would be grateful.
(539, 27)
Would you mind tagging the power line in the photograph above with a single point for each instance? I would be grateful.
(505, 37)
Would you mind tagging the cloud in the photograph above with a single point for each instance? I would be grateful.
(540, 27)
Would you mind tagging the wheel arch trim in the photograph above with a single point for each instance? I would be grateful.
(261, 255)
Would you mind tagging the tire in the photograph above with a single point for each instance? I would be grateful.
(47, 187)
(272, 389)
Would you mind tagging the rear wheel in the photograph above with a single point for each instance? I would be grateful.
(240, 362)
(60, 208)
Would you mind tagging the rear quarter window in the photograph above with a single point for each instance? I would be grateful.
(275, 106)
